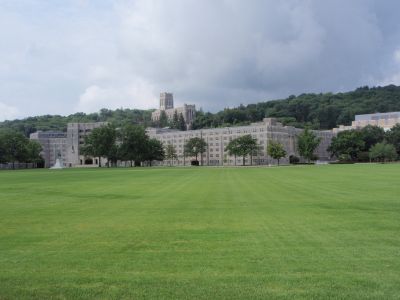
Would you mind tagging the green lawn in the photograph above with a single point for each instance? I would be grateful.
(306, 232)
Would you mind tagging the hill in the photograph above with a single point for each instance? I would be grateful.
(59, 123)
(320, 111)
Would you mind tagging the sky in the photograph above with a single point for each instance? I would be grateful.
(67, 56)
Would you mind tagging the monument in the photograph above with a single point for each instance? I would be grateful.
(58, 164)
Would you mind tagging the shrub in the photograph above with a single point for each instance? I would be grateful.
(293, 159)
(195, 163)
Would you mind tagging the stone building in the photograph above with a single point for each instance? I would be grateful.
(167, 105)
(218, 138)
(76, 133)
(53, 146)
(383, 120)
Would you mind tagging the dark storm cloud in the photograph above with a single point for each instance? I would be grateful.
(213, 53)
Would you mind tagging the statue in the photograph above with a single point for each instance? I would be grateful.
(58, 164)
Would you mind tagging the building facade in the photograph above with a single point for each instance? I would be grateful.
(188, 111)
(218, 138)
(54, 145)
(76, 133)
(383, 120)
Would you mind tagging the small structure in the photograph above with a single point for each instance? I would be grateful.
(57, 165)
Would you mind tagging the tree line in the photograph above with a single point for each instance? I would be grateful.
(17, 148)
(316, 111)
(370, 143)
(129, 143)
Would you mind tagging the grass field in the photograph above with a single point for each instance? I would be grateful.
(307, 232)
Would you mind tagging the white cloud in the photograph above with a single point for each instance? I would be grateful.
(138, 94)
(396, 56)
(8, 112)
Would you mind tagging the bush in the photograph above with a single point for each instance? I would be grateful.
(293, 159)
(194, 163)
(363, 156)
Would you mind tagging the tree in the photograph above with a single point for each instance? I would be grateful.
(372, 135)
(33, 152)
(393, 137)
(175, 120)
(307, 143)
(383, 152)
(133, 140)
(170, 153)
(13, 147)
(195, 146)
(163, 119)
(242, 146)
(276, 150)
(3, 151)
(101, 142)
(154, 151)
(233, 148)
(348, 144)
(181, 123)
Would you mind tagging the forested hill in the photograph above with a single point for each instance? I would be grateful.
(320, 111)
(59, 123)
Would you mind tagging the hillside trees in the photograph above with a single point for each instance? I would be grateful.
(163, 119)
(307, 143)
(181, 123)
(117, 117)
(319, 111)
(175, 120)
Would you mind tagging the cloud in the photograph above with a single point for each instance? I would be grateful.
(394, 76)
(396, 56)
(85, 55)
(8, 112)
(138, 94)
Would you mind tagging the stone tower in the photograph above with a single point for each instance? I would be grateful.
(166, 101)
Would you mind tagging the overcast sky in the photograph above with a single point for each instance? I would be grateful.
(65, 56)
